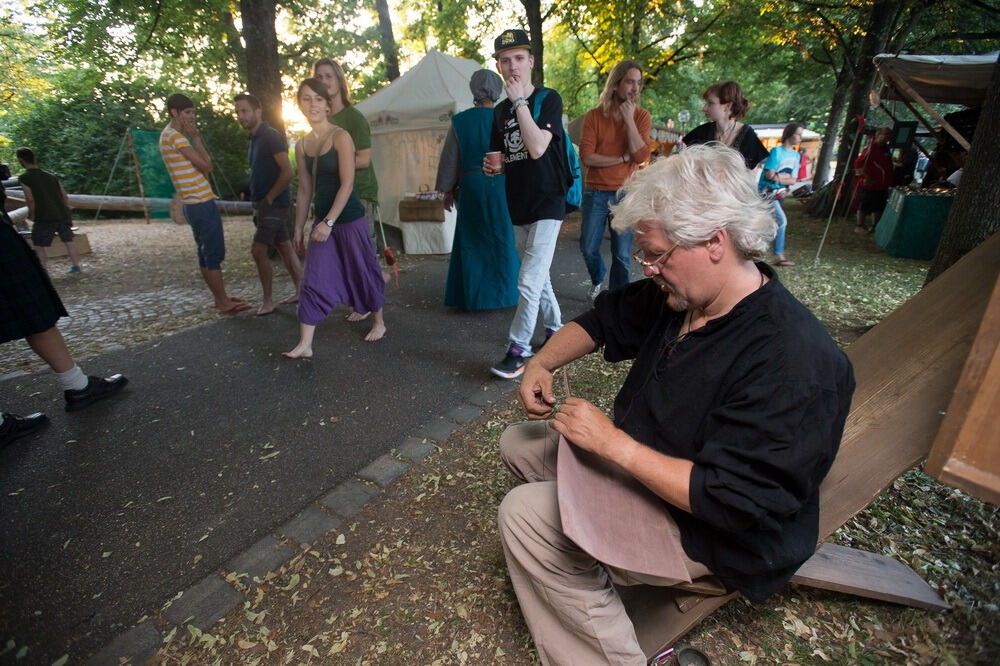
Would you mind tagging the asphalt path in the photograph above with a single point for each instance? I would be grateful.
(109, 512)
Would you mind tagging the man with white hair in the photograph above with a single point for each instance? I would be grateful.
(732, 412)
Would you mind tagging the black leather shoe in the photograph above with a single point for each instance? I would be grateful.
(15, 427)
(97, 389)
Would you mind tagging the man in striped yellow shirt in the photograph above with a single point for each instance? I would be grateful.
(189, 164)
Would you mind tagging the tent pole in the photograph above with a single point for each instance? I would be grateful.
(114, 166)
(905, 87)
(138, 174)
(840, 186)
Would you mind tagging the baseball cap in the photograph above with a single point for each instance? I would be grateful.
(511, 39)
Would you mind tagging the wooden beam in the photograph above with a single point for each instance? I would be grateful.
(18, 214)
(137, 204)
(868, 575)
(964, 453)
(906, 88)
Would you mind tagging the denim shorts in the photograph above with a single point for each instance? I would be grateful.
(271, 222)
(206, 226)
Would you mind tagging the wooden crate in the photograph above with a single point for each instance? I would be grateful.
(417, 210)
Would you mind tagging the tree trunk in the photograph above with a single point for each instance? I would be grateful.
(233, 37)
(884, 13)
(822, 173)
(533, 12)
(388, 41)
(263, 72)
(975, 213)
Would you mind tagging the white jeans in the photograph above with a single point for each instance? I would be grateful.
(537, 241)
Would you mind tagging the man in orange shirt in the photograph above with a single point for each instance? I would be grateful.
(615, 142)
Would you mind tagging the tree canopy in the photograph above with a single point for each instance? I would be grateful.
(109, 63)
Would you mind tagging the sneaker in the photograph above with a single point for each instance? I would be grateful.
(96, 389)
(16, 427)
(512, 364)
(74, 269)
(548, 336)
(594, 291)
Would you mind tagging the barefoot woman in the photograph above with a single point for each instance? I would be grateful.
(341, 268)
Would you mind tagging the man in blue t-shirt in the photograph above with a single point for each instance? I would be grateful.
(533, 159)
(270, 174)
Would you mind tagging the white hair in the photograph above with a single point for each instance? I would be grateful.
(694, 194)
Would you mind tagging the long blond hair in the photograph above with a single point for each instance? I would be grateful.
(338, 72)
(618, 72)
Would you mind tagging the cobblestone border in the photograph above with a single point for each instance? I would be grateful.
(206, 602)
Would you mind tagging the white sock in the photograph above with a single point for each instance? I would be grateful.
(73, 379)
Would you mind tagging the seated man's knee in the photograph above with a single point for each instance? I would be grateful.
(527, 508)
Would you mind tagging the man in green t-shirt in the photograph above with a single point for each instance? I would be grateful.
(345, 115)
(48, 208)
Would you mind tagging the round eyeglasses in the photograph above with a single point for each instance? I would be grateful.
(657, 260)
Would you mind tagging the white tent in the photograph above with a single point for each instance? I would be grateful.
(409, 120)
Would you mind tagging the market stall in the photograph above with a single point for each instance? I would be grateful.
(914, 218)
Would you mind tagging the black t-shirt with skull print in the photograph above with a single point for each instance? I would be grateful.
(536, 189)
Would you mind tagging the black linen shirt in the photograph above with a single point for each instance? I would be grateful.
(757, 399)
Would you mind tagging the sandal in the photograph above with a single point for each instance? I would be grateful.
(783, 262)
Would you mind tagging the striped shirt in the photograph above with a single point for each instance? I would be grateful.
(191, 184)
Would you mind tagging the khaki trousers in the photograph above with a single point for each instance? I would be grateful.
(567, 598)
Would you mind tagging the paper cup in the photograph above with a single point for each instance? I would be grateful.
(494, 161)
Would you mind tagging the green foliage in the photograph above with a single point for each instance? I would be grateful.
(22, 62)
(448, 26)
(185, 41)
(77, 132)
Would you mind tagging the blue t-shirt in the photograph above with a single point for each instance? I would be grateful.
(779, 160)
(261, 149)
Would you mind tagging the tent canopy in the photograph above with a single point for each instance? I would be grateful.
(409, 119)
(427, 96)
(953, 79)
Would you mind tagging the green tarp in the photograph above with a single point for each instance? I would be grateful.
(155, 179)
(912, 223)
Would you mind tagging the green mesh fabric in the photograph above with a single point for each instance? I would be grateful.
(155, 179)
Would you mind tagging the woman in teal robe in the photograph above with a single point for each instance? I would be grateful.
(482, 274)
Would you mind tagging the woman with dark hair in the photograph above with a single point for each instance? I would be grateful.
(725, 106)
(341, 268)
(346, 115)
(781, 170)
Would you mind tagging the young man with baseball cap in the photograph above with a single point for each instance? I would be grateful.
(534, 162)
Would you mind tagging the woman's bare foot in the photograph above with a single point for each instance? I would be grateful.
(266, 308)
(294, 298)
(299, 352)
(376, 332)
(357, 316)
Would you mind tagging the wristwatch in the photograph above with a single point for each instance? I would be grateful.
(329, 222)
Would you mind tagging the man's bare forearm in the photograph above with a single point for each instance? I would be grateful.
(568, 344)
